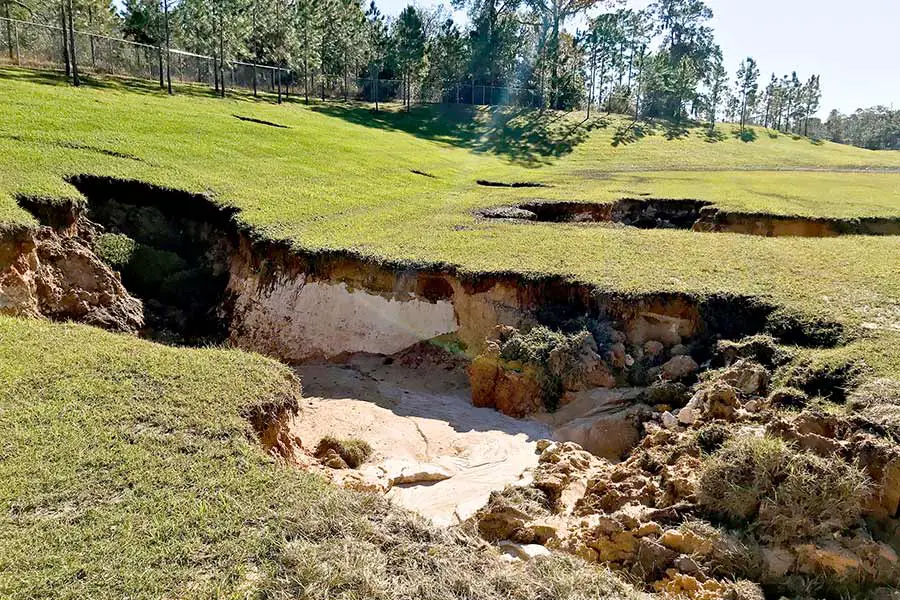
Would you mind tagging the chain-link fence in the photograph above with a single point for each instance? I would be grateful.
(43, 46)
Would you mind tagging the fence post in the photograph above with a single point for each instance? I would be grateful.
(16, 32)
(162, 82)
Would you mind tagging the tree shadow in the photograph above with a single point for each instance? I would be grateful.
(714, 136)
(524, 136)
(629, 133)
(130, 84)
(675, 130)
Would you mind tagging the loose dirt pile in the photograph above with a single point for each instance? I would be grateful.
(725, 485)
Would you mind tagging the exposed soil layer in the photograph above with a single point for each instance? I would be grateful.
(204, 276)
(695, 215)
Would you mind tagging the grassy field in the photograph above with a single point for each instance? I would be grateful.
(128, 468)
(340, 177)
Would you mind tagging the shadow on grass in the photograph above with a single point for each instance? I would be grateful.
(714, 136)
(524, 136)
(128, 84)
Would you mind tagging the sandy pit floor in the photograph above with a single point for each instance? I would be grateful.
(417, 411)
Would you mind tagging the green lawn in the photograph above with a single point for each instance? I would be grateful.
(340, 177)
(128, 468)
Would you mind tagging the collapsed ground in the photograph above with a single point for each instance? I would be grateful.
(205, 274)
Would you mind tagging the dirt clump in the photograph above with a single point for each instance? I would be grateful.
(739, 499)
(58, 276)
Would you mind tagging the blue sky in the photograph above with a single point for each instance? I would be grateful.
(852, 45)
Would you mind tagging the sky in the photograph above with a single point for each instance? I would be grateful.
(852, 45)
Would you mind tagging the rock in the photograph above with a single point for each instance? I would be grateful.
(670, 393)
(686, 542)
(688, 415)
(653, 348)
(668, 420)
(679, 350)
(523, 551)
(362, 481)
(617, 355)
(777, 562)
(720, 401)
(60, 277)
(688, 566)
(679, 585)
(544, 530)
(747, 377)
(544, 444)
(679, 367)
(655, 326)
(829, 558)
(653, 559)
(595, 373)
(400, 474)
(610, 436)
(333, 460)
(513, 393)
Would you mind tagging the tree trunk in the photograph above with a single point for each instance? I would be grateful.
(73, 49)
(377, 73)
(168, 53)
(222, 56)
(65, 37)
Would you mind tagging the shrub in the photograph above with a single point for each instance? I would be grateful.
(114, 249)
(556, 355)
(736, 479)
(817, 497)
(784, 494)
(353, 451)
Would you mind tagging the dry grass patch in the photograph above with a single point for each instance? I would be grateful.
(782, 494)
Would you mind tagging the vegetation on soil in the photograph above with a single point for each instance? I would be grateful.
(130, 469)
(352, 451)
(787, 495)
(110, 442)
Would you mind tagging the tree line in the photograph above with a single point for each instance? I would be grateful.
(659, 62)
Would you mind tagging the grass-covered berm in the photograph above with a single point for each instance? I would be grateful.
(136, 469)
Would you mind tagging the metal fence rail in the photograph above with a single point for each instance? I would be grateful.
(41, 46)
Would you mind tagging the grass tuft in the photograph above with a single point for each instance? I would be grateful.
(352, 451)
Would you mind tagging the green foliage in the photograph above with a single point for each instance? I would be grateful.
(353, 451)
(556, 355)
(115, 249)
